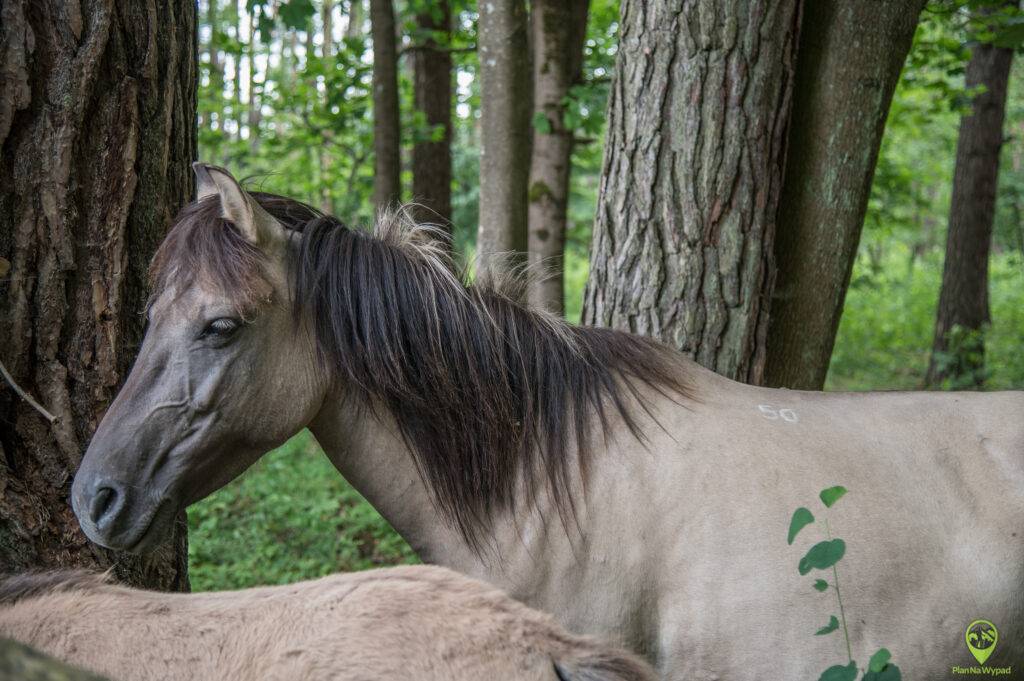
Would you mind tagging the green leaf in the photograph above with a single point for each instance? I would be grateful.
(832, 625)
(822, 555)
(541, 123)
(890, 673)
(831, 495)
(820, 584)
(802, 517)
(295, 13)
(839, 673)
(879, 660)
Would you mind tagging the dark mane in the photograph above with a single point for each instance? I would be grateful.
(488, 394)
(14, 588)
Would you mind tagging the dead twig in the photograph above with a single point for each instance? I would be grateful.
(25, 396)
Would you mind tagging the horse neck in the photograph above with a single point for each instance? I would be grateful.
(367, 449)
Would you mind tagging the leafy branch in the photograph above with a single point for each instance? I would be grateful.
(825, 555)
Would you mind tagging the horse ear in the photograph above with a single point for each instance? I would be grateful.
(256, 225)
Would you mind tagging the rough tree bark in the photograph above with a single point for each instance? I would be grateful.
(432, 92)
(387, 188)
(97, 130)
(504, 130)
(963, 308)
(693, 164)
(559, 29)
(848, 63)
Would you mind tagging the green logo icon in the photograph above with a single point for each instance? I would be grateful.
(981, 639)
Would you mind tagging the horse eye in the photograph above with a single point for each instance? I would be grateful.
(223, 326)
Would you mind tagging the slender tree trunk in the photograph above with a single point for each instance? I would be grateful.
(849, 61)
(682, 247)
(559, 29)
(237, 108)
(216, 64)
(505, 130)
(355, 19)
(387, 141)
(97, 131)
(254, 99)
(432, 87)
(327, 19)
(963, 311)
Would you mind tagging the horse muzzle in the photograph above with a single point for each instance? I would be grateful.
(113, 514)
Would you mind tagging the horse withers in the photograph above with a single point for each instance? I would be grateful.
(414, 622)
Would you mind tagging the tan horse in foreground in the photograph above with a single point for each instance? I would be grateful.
(414, 622)
(593, 474)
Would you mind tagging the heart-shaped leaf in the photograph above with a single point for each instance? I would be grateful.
(832, 625)
(802, 517)
(840, 673)
(831, 495)
(822, 555)
(820, 584)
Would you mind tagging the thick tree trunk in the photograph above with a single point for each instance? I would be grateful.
(504, 130)
(848, 63)
(963, 311)
(432, 87)
(692, 176)
(387, 188)
(97, 130)
(559, 29)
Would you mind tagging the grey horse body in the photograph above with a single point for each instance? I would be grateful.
(659, 519)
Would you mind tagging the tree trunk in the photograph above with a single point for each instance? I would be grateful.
(963, 311)
(254, 99)
(848, 64)
(693, 164)
(355, 19)
(387, 139)
(237, 55)
(504, 131)
(97, 130)
(216, 66)
(327, 18)
(559, 29)
(432, 92)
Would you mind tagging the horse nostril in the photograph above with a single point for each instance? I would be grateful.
(105, 504)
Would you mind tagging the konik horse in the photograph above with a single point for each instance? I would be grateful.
(414, 622)
(593, 474)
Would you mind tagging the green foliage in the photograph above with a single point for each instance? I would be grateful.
(290, 517)
(822, 556)
(833, 624)
(831, 495)
(801, 518)
(840, 673)
(825, 555)
(879, 660)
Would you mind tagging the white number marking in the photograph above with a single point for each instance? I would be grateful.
(773, 414)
